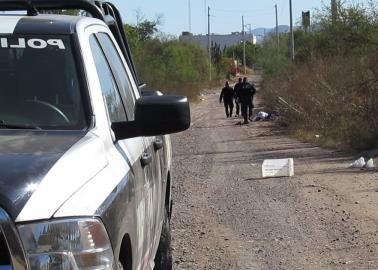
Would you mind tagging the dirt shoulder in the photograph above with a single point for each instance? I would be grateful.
(227, 217)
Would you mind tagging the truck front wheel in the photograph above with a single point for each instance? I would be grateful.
(163, 258)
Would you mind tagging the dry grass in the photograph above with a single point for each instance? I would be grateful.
(336, 98)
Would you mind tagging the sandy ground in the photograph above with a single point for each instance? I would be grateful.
(227, 217)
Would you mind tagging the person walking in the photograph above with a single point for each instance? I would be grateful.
(227, 95)
(237, 88)
(246, 94)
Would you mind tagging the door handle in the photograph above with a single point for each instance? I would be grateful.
(158, 144)
(146, 159)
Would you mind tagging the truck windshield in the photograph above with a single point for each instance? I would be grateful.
(39, 86)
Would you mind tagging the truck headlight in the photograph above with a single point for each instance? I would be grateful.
(67, 245)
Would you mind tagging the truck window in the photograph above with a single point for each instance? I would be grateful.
(39, 83)
(120, 73)
(109, 88)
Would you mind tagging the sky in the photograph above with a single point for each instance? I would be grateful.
(225, 17)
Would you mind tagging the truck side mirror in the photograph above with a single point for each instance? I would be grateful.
(154, 116)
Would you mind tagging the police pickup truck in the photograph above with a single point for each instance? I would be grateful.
(85, 162)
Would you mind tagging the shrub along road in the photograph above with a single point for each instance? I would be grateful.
(227, 217)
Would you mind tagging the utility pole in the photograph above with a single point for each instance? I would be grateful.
(292, 49)
(209, 39)
(277, 32)
(249, 28)
(190, 16)
(334, 10)
(244, 57)
(306, 20)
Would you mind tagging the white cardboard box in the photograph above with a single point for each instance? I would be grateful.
(278, 167)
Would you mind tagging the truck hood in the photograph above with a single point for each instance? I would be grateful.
(71, 171)
(25, 160)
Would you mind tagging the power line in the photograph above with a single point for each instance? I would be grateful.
(249, 15)
(239, 10)
(265, 12)
(221, 17)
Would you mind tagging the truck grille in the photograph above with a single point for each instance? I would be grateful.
(4, 253)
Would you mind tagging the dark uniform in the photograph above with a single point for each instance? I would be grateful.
(227, 96)
(237, 88)
(246, 94)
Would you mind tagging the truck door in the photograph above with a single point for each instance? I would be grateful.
(130, 149)
(155, 145)
(143, 155)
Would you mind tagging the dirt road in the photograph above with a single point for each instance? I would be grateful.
(227, 217)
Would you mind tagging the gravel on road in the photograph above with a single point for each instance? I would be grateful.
(226, 216)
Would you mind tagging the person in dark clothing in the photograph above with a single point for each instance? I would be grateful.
(227, 95)
(246, 99)
(237, 88)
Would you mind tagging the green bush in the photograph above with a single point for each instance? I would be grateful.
(332, 88)
(272, 59)
(167, 64)
(251, 52)
(172, 67)
(353, 32)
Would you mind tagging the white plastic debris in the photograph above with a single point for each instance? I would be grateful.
(260, 116)
(278, 167)
(359, 163)
(370, 164)
(263, 115)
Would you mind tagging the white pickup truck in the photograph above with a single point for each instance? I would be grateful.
(85, 161)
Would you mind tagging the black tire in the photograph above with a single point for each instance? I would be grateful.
(163, 258)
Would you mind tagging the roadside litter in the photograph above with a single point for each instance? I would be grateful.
(261, 116)
(278, 168)
(264, 116)
(361, 163)
(370, 164)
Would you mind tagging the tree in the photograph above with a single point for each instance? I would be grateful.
(251, 52)
(146, 30)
